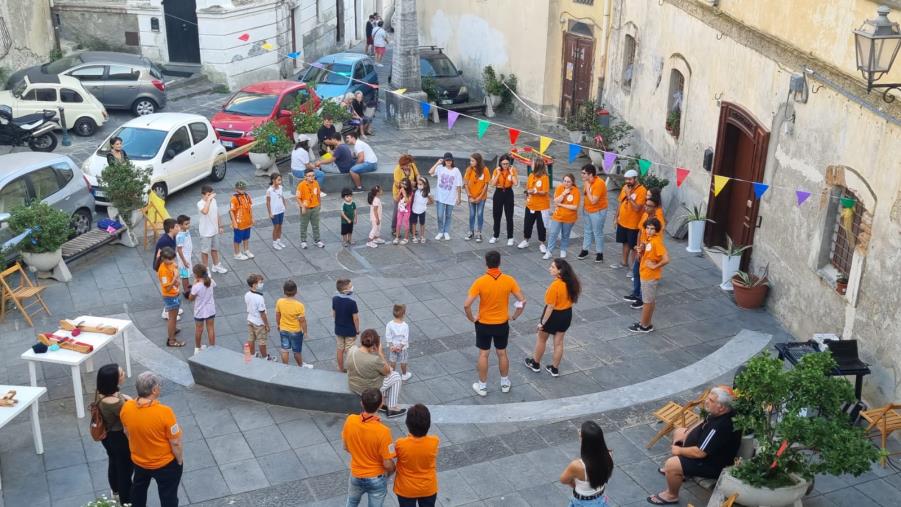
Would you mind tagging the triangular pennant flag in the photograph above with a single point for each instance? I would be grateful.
(426, 107)
(514, 135)
(609, 159)
(543, 143)
(294, 55)
(400, 91)
(267, 46)
(244, 37)
(718, 183)
(451, 119)
(681, 174)
(759, 189)
(483, 127)
(643, 166)
(574, 150)
(802, 196)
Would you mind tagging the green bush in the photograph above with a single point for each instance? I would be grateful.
(494, 85)
(272, 139)
(126, 187)
(305, 123)
(490, 81)
(50, 227)
(430, 88)
(339, 113)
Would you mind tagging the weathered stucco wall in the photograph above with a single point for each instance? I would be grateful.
(96, 24)
(830, 131)
(28, 25)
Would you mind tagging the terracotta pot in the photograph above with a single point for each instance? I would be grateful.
(749, 297)
(841, 287)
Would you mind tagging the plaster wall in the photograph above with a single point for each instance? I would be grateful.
(98, 25)
(30, 31)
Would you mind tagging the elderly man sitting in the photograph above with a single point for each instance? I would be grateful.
(703, 450)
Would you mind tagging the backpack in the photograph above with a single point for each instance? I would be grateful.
(98, 426)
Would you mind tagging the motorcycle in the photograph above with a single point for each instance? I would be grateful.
(35, 130)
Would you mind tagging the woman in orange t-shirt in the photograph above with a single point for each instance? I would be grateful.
(559, 299)
(538, 205)
(476, 182)
(566, 212)
(503, 180)
(416, 482)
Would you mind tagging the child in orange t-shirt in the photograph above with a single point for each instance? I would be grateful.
(241, 213)
(538, 205)
(653, 258)
(309, 199)
(566, 200)
(169, 284)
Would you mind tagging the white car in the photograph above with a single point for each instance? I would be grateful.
(35, 93)
(180, 149)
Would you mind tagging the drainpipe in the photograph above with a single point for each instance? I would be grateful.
(54, 27)
(606, 24)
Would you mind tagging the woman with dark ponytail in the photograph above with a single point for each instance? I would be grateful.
(589, 474)
(559, 299)
(110, 400)
(204, 306)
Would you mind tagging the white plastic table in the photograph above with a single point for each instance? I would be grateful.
(27, 396)
(75, 359)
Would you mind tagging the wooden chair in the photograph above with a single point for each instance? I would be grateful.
(883, 421)
(25, 290)
(154, 214)
(726, 503)
(673, 416)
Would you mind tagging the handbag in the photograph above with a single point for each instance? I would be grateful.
(98, 426)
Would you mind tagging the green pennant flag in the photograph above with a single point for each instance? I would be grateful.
(483, 127)
(644, 166)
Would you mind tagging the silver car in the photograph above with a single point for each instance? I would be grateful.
(118, 80)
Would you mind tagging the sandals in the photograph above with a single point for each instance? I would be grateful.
(175, 344)
(656, 500)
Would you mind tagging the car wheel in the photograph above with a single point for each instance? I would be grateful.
(218, 171)
(81, 221)
(45, 142)
(161, 190)
(85, 127)
(143, 106)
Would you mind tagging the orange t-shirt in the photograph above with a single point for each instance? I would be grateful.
(168, 275)
(556, 295)
(417, 466)
(150, 428)
(642, 234)
(494, 289)
(475, 182)
(369, 443)
(628, 217)
(598, 188)
(504, 178)
(242, 207)
(308, 193)
(561, 214)
(653, 252)
(538, 202)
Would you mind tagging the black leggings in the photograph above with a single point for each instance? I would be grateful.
(120, 467)
(503, 204)
(423, 501)
(534, 217)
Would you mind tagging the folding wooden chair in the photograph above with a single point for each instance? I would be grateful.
(883, 421)
(673, 415)
(154, 214)
(25, 289)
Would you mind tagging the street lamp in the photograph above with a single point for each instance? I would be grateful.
(877, 42)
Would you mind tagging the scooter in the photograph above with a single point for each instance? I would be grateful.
(35, 130)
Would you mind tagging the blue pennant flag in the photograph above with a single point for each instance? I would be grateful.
(574, 152)
(759, 189)
(426, 107)
(294, 55)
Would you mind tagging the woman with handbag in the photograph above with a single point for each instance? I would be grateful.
(108, 403)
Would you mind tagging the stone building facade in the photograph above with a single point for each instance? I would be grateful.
(26, 34)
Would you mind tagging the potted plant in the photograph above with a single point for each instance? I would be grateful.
(841, 284)
(731, 259)
(271, 143)
(673, 120)
(750, 290)
(126, 185)
(430, 88)
(494, 89)
(335, 110)
(50, 228)
(305, 125)
(801, 430)
(696, 218)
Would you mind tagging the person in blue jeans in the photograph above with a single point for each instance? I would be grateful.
(447, 192)
(371, 449)
(588, 475)
(367, 162)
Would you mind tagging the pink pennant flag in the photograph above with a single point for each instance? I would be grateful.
(802, 196)
(244, 37)
(681, 174)
(609, 159)
(452, 118)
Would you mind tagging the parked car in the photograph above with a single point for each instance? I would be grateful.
(54, 179)
(452, 90)
(331, 76)
(179, 148)
(118, 80)
(256, 104)
(40, 92)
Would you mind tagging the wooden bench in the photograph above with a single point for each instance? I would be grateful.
(83, 244)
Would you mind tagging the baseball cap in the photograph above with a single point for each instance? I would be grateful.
(242, 184)
(448, 156)
(631, 173)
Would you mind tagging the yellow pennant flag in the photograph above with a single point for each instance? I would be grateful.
(543, 144)
(718, 183)
(400, 91)
(267, 46)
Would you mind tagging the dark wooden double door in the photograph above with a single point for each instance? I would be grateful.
(181, 30)
(578, 53)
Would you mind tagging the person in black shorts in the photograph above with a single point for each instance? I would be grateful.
(561, 295)
(703, 450)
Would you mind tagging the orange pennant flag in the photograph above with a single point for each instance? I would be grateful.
(718, 183)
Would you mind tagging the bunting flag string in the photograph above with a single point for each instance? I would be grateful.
(718, 183)
(574, 150)
(451, 119)
(514, 135)
(267, 46)
(609, 160)
(483, 127)
(400, 91)
(759, 189)
(543, 144)
(295, 55)
(426, 107)
(244, 37)
(681, 174)
(801, 196)
(644, 166)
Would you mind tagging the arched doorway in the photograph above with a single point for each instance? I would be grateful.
(578, 54)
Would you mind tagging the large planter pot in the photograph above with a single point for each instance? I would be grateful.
(749, 297)
(494, 101)
(597, 158)
(48, 264)
(729, 268)
(695, 235)
(263, 162)
(756, 496)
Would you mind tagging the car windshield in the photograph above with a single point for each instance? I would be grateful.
(61, 65)
(251, 104)
(437, 66)
(328, 73)
(138, 144)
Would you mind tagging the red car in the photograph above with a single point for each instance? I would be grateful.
(256, 104)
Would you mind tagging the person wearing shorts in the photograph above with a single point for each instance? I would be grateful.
(208, 228)
(493, 290)
(257, 319)
(653, 259)
(290, 315)
(561, 295)
(347, 320)
(241, 213)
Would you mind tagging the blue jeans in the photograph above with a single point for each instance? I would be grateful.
(445, 214)
(291, 341)
(562, 229)
(594, 230)
(597, 502)
(365, 167)
(476, 216)
(636, 280)
(375, 487)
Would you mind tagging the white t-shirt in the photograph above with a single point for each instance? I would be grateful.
(420, 202)
(255, 304)
(448, 182)
(183, 240)
(366, 150)
(379, 37)
(276, 200)
(397, 333)
(208, 225)
(299, 160)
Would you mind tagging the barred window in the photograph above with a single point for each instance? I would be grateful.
(673, 121)
(628, 61)
(586, 2)
(846, 231)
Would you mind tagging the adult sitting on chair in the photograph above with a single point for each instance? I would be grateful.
(703, 450)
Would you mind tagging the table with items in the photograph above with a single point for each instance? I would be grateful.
(13, 401)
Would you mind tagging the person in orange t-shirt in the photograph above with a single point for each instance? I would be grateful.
(493, 290)
(631, 203)
(241, 213)
(416, 483)
(566, 212)
(594, 190)
(559, 299)
(503, 180)
(371, 451)
(476, 182)
(309, 199)
(653, 258)
(538, 205)
(652, 209)
(169, 284)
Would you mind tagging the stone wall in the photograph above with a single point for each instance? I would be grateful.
(98, 25)
(31, 37)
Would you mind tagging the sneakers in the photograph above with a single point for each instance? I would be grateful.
(532, 365)
(599, 258)
(281, 243)
(510, 242)
(480, 389)
(493, 240)
(582, 255)
(249, 254)
(396, 413)
(439, 236)
(406, 376)
(357, 190)
(322, 194)
(422, 240)
(630, 298)
(395, 241)
(276, 245)
(505, 388)
(379, 241)
(479, 237)
(617, 265)
(372, 244)
(553, 371)
(303, 245)
(562, 254)
(218, 268)
(630, 274)
(415, 239)
(320, 244)
(546, 256)
(542, 248)
(637, 305)
(446, 237)
(241, 257)
(523, 244)
(165, 315)
(468, 236)
(306, 365)
(403, 242)
(638, 328)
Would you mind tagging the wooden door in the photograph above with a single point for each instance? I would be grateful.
(181, 30)
(578, 53)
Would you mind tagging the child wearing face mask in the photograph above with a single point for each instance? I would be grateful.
(257, 319)
(347, 320)
(421, 201)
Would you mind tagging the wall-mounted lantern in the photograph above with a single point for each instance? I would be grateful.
(876, 43)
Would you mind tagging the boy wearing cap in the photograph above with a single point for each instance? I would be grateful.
(631, 205)
(241, 213)
(447, 194)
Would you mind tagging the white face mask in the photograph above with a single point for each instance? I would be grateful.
(260, 286)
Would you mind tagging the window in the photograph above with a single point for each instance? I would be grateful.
(64, 172)
(13, 195)
(288, 101)
(178, 143)
(628, 61)
(122, 73)
(358, 71)
(369, 69)
(44, 182)
(41, 95)
(303, 95)
(91, 73)
(586, 2)
(846, 230)
(199, 131)
(673, 121)
(70, 96)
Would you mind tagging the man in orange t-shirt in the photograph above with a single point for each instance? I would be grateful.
(417, 461)
(309, 200)
(653, 258)
(371, 451)
(241, 213)
(631, 204)
(493, 290)
(594, 197)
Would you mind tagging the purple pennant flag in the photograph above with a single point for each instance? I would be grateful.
(451, 119)
(802, 196)
(609, 159)
(759, 189)
(574, 152)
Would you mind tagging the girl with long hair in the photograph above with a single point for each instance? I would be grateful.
(561, 295)
(404, 203)
(204, 306)
(476, 180)
(375, 216)
(538, 205)
(503, 180)
(589, 474)
(566, 212)
(110, 400)
(421, 200)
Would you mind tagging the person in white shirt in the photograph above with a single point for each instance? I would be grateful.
(367, 162)
(300, 162)
(208, 227)
(379, 41)
(275, 204)
(397, 340)
(447, 195)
